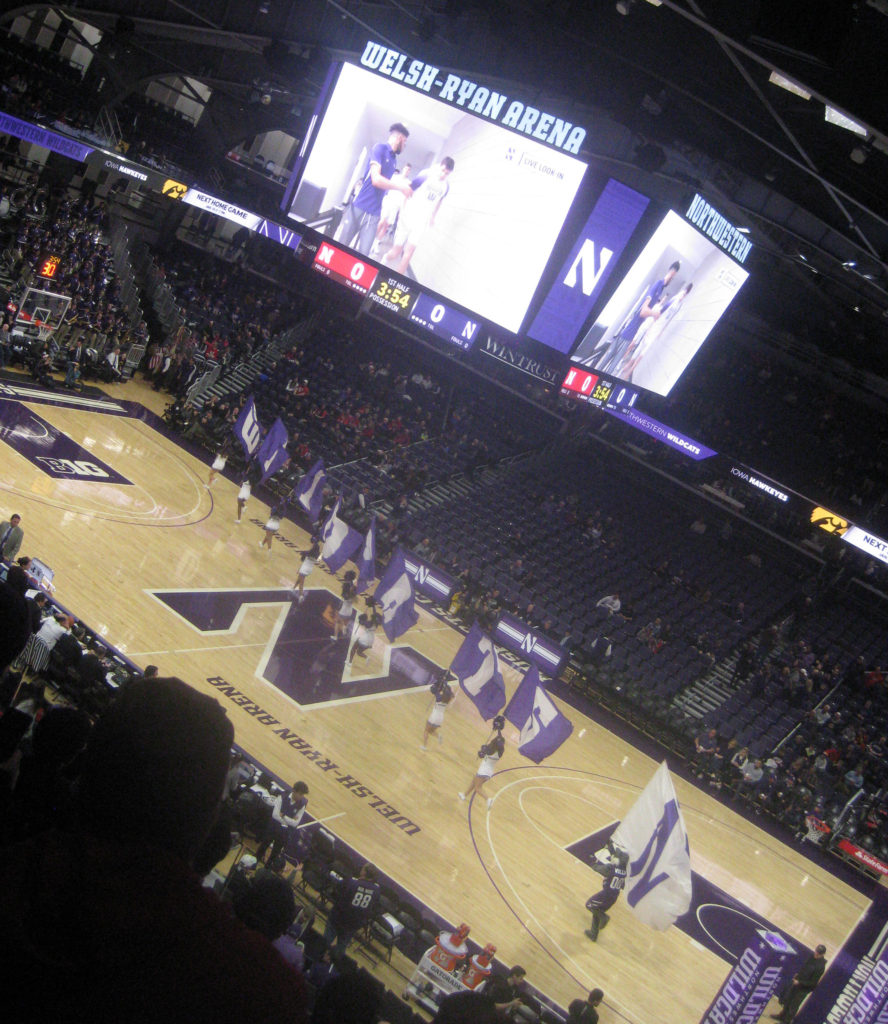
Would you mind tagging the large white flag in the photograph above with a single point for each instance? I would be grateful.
(658, 888)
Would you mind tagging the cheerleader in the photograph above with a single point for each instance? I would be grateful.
(272, 526)
(490, 753)
(218, 465)
(346, 606)
(365, 634)
(309, 561)
(443, 695)
(243, 496)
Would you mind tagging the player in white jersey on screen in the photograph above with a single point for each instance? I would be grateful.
(419, 212)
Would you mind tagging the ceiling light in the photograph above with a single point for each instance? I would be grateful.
(843, 121)
(785, 83)
(743, 231)
(624, 7)
(849, 264)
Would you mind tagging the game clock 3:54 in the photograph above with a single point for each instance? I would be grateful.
(602, 391)
(398, 296)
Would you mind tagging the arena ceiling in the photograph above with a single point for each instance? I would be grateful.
(676, 96)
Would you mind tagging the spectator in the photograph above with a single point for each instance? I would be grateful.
(610, 604)
(127, 926)
(585, 1011)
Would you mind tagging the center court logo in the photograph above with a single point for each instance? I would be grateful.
(829, 521)
(300, 659)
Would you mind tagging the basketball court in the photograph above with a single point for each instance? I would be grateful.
(152, 560)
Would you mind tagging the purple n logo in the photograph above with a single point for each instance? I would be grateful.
(646, 864)
(300, 659)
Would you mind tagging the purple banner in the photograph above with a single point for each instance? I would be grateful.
(753, 980)
(588, 266)
(428, 580)
(659, 431)
(50, 450)
(857, 972)
(43, 137)
(519, 638)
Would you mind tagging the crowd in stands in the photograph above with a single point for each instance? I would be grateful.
(229, 314)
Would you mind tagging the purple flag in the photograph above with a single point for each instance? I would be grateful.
(247, 429)
(339, 539)
(476, 666)
(310, 490)
(273, 453)
(366, 559)
(394, 596)
(543, 727)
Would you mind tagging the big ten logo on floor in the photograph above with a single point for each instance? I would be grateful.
(51, 451)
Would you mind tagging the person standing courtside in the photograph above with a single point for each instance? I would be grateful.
(360, 221)
(802, 985)
(11, 537)
(353, 907)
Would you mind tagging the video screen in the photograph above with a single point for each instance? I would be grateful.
(663, 310)
(462, 206)
(587, 269)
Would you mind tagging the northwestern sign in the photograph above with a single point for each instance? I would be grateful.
(753, 981)
(855, 980)
(475, 98)
(660, 432)
(51, 451)
(43, 137)
(588, 266)
(719, 229)
(520, 639)
(278, 233)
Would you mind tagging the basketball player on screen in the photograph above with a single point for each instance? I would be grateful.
(392, 204)
(360, 221)
(418, 215)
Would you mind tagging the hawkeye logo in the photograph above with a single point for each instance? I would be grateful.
(174, 189)
(829, 521)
